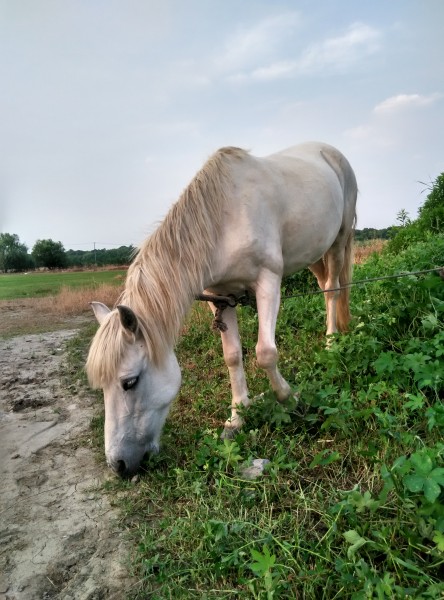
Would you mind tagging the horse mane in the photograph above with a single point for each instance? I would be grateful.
(168, 271)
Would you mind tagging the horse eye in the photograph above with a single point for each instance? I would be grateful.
(127, 384)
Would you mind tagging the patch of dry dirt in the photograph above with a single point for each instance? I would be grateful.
(59, 536)
(35, 315)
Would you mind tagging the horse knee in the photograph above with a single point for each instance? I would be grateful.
(266, 357)
(233, 358)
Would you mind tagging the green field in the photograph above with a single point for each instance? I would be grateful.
(34, 285)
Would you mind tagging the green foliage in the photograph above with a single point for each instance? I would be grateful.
(369, 233)
(403, 217)
(431, 214)
(404, 237)
(13, 254)
(100, 256)
(35, 285)
(429, 222)
(423, 477)
(299, 282)
(49, 254)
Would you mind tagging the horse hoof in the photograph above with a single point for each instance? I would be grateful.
(229, 433)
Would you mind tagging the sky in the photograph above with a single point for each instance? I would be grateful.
(109, 108)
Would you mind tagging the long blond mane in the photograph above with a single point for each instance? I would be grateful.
(168, 271)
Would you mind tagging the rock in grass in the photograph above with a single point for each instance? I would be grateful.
(255, 469)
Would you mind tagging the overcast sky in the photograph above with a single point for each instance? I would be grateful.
(108, 108)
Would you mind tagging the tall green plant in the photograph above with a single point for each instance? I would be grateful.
(429, 222)
(431, 214)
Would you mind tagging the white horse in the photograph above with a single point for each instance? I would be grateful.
(241, 224)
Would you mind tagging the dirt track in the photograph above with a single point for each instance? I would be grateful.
(58, 534)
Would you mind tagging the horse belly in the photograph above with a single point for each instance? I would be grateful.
(251, 243)
(304, 243)
(311, 220)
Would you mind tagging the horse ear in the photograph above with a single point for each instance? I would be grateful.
(127, 318)
(100, 310)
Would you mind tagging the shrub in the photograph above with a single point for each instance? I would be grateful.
(429, 222)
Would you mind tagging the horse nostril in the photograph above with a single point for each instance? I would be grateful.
(120, 467)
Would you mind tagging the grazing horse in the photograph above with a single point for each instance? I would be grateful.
(241, 225)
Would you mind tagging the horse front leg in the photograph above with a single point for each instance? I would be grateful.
(232, 350)
(268, 297)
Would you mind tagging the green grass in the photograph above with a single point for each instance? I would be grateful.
(32, 285)
(352, 503)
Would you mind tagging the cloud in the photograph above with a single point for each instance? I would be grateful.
(278, 70)
(391, 123)
(337, 54)
(260, 42)
(343, 51)
(403, 101)
(360, 133)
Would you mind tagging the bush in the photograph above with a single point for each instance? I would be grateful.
(431, 214)
(429, 222)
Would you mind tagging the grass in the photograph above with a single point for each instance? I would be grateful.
(40, 302)
(32, 285)
(352, 502)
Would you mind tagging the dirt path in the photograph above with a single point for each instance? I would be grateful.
(58, 533)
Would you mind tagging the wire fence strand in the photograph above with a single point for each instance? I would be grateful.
(364, 281)
(246, 299)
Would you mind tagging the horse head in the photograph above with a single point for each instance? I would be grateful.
(137, 393)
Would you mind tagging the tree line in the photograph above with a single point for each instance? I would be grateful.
(369, 233)
(15, 256)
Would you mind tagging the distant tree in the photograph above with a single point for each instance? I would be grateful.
(50, 254)
(13, 254)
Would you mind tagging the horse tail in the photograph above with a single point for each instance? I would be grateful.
(347, 180)
(345, 276)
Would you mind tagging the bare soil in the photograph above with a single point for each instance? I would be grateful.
(59, 535)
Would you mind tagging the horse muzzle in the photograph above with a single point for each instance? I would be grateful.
(125, 465)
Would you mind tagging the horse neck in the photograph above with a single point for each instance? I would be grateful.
(173, 264)
(161, 293)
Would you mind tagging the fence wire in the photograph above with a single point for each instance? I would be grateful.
(364, 281)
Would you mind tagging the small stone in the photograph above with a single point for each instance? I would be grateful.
(16, 455)
(255, 469)
(135, 479)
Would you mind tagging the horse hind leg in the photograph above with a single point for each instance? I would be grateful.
(319, 270)
(326, 271)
